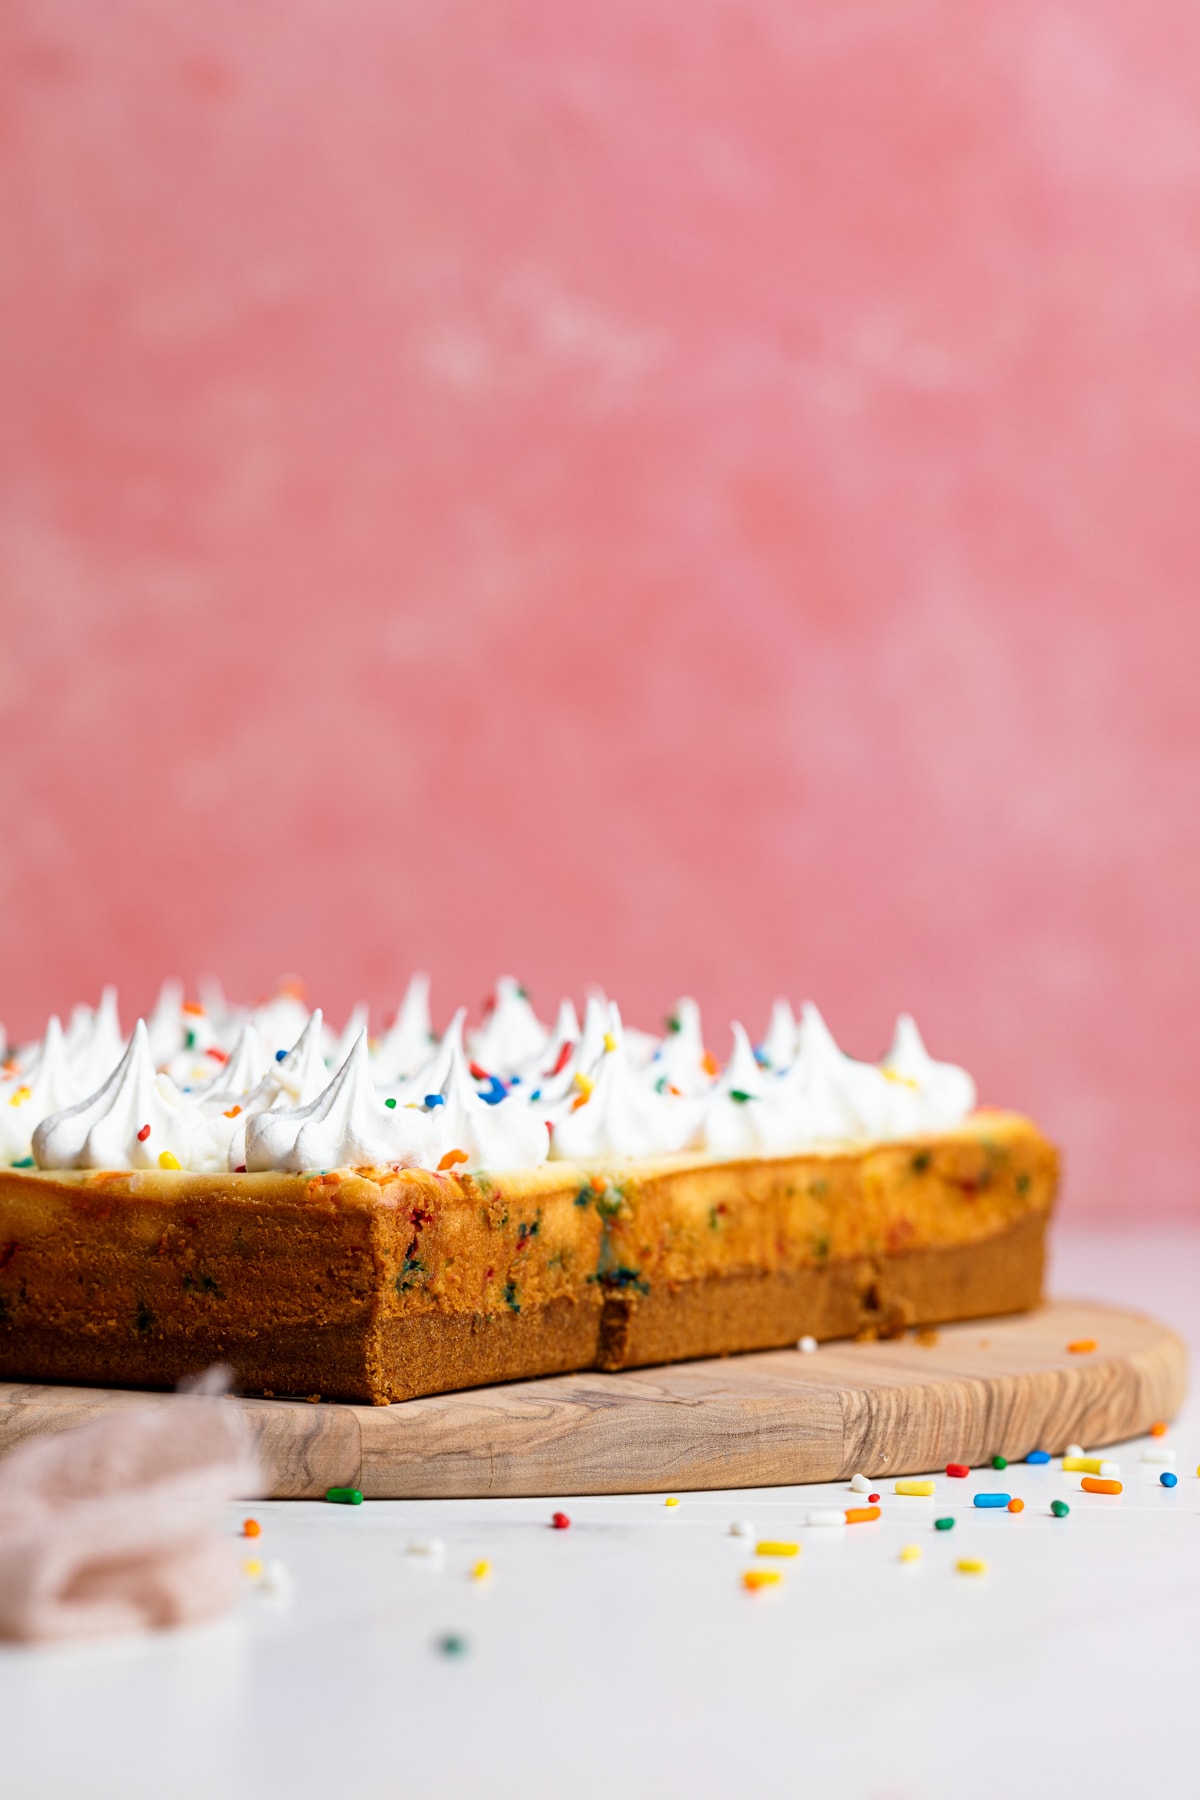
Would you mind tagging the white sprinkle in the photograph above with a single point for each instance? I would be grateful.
(433, 1548)
(807, 1345)
(742, 1528)
(825, 1515)
(1159, 1454)
(1074, 1450)
(859, 1484)
(1109, 1469)
(276, 1582)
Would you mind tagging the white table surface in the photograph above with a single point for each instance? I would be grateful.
(624, 1656)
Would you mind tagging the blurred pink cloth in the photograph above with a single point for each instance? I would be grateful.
(115, 1525)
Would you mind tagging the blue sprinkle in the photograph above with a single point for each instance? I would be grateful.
(514, 1081)
(279, 1055)
(992, 1499)
(435, 1099)
(1038, 1456)
(494, 1092)
(536, 1094)
(1168, 1479)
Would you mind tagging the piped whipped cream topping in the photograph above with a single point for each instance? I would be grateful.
(212, 1086)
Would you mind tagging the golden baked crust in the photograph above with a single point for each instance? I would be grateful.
(378, 1285)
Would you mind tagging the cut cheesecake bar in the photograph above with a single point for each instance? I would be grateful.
(381, 1285)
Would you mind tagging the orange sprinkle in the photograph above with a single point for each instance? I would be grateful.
(293, 987)
(761, 1578)
(1081, 1346)
(251, 1528)
(1159, 1428)
(194, 1007)
(1016, 1506)
(860, 1515)
(233, 1112)
(708, 1063)
(451, 1157)
(1091, 1484)
(20, 1096)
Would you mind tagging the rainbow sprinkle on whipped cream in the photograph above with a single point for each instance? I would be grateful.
(218, 1088)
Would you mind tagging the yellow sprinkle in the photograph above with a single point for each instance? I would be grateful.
(20, 1097)
(1082, 1465)
(480, 1571)
(670, 1500)
(252, 1567)
(166, 1160)
(769, 1547)
(761, 1578)
(584, 1083)
(900, 1080)
(911, 1553)
(610, 1042)
(922, 1489)
(971, 1565)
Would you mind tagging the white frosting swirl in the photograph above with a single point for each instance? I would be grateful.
(512, 1038)
(621, 1114)
(137, 1120)
(346, 1127)
(505, 1134)
(406, 1043)
(43, 1087)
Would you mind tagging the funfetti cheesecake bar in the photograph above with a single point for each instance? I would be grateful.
(373, 1220)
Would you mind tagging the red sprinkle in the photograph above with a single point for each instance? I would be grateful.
(872, 1499)
(560, 1521)
(143, 1134)
(478, 1073)
(960, 1470)
(221, 1056)
(564, 1057)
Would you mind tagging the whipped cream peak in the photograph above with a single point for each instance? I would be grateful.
(779, 1045)
(337, 1049)
(138, 1119)
(98, 1047)
(500, 1134)
(347, 1126)
(406, 1043)
(281, 1019)
(301, 1074)
(946, 1091)
(431, 1076)
(682, 1058)
(29, 1095)
(620, 1114)
(241, 1071)
(165, 1027)
(512, 1038)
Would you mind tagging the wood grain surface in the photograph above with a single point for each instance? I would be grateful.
(1003, 1386)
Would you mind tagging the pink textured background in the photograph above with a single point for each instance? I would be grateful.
(704, 497)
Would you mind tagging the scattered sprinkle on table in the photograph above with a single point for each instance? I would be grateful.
(959, 1471)
(1059, 1508)
(861, 1515)
(775, 1547)
(452, 1646)
(253, 1568)
(761, 1578)
(919, 1490)
(1169, 1479)
(1081, 1346)
(1074, 1450)
(825, 1515)
(871, 1499)
(671, 1500)
(911, 1553)
(1089, 1465)
(1038, 1456)
(559, 1521)
(1016, 1505)
(481, 1571)
(1159, 1455)
(1091, 1484)
(1159, 1428)
(859, 1484)
(807, 1346)
(341, 1496)
(276, 1582)
(943, 1524)
(251, 1528)
(995, 1500)
(999, 1462)
(432, 1547)
(742, 1528)
(971, 1565)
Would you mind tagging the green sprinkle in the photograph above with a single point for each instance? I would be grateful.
(452, 1646)
(344, 1496)
(24, 1162)
(943, 1524)
(740, 1095)
(1059, 1508)
(999, 1462)
(390, 1103)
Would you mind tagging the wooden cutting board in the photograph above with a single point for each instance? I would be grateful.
(1002, 1386)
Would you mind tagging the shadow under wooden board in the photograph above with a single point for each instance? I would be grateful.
(770, 1418)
